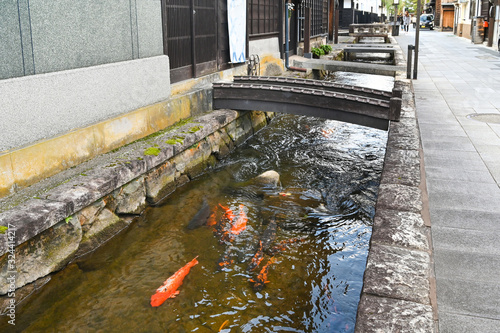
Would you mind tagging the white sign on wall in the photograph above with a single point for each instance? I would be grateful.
(237, 18)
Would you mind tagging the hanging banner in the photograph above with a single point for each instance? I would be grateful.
(237, 22)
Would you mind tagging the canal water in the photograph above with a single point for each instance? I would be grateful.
(321, 213)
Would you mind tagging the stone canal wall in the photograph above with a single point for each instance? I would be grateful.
(83, 212)
(399, 286)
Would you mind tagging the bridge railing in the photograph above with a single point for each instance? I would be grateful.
(369, 30)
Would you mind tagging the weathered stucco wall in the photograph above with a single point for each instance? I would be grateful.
(79, 215)
(43, 36)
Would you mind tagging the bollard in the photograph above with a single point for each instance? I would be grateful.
(409, 61)
(395, 108)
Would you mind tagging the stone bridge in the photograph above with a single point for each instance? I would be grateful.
(352, 104)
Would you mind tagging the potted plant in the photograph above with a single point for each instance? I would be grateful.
(317, 52)
(326, 48)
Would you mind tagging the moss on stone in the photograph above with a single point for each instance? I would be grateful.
(152, 151)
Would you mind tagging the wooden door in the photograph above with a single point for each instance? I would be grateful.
(190, 37)
(448, 17)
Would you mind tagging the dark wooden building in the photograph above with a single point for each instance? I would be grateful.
(196, 31)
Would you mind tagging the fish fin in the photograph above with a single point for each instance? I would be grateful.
(251, 280)
(267, 281)
(175, 294)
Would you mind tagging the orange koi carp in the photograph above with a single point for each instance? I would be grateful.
(241, 223)
(211, 220)
(261, 279)
(170, 286)
(228, 213)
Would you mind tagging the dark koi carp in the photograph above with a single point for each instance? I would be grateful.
(257, 258)
(201, 217)
(170, 286)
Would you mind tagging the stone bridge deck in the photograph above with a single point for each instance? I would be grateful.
(309, 97)
(346, 66)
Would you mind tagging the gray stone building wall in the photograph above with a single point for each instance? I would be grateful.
(42, 36)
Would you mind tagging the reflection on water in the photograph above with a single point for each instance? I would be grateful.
(329, 180)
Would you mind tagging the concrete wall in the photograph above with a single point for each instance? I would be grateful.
(42, 36)
(269, 46)
(41, 106)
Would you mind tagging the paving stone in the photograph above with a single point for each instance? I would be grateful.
(480, 241)
(397, 273)
(469, 297)
(457, 323)
(465, 265)
(384, 315)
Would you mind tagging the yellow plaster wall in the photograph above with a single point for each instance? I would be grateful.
(26, 166)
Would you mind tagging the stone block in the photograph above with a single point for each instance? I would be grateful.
(400, 157)
(399, 174)
(381, 315)
(398, 273)
(76, 197)
(160, 182)
(241, 129)
(404, 229)
(399, 197)
(43, 254)
(404, 134)
(258, 120)
(31, 219)
(131, 198)
(23, 293)
(99, 224)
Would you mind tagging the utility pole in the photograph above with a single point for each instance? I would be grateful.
(337, 17)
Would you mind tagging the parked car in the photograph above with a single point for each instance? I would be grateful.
(427, 21)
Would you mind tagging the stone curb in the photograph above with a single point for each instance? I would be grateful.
(398, 291)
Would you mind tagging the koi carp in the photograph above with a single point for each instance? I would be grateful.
(228, 213)
(283, 245)
(170, 286)
(257, 258)
(241, 223)
(261, 279)
(211, 220)
(269, 235)
(201, 217)
(225, 260)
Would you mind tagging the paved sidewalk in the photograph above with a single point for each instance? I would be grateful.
(462, 164)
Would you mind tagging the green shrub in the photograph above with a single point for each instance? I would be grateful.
(317, 51)
(326, 48)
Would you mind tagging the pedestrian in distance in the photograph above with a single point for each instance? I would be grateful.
(406, 21)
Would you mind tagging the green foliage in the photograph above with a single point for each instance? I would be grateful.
(69, 218)
(3, 229)
(317, 51)
(326, 48)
